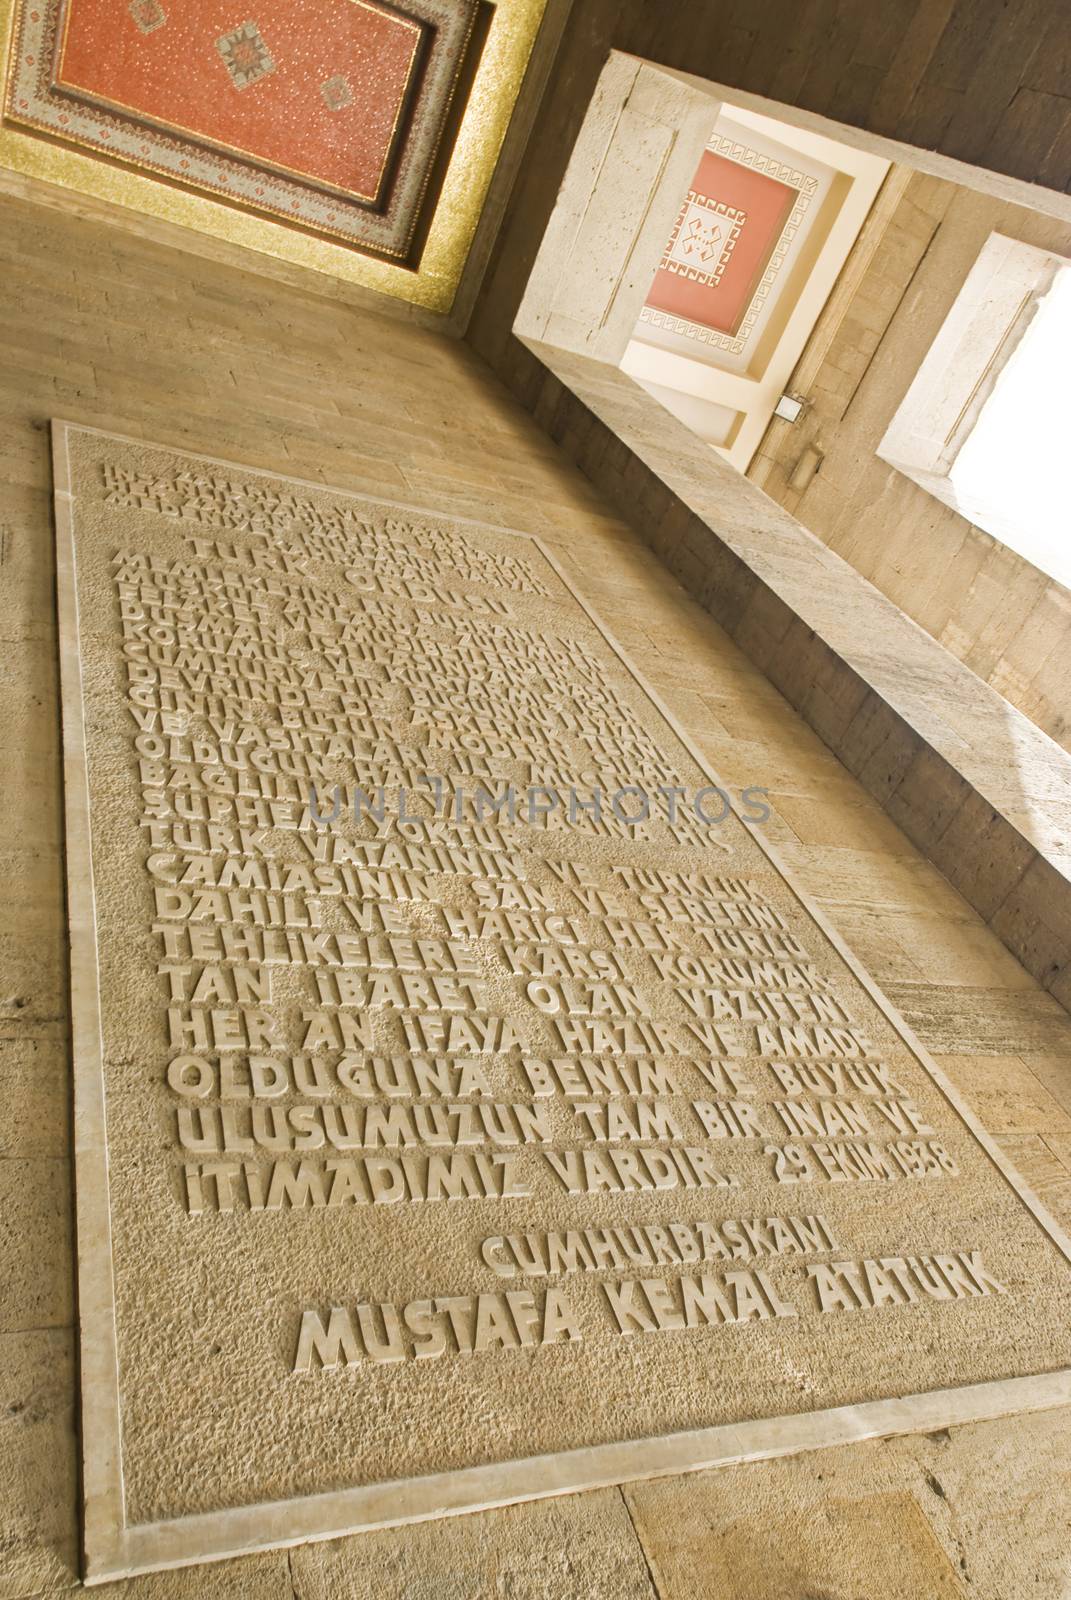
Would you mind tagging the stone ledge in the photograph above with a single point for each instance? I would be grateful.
(974, 785)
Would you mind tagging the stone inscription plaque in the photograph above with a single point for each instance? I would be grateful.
(467, 1107)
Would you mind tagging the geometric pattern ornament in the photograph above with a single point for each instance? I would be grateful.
(337, 93)
(342, 110)
(148, 15)
(246, 55)
(703, 239)
(723, 259)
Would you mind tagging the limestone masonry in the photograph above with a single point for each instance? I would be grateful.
(464, 1096)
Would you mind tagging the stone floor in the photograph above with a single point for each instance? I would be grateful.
(109, 330)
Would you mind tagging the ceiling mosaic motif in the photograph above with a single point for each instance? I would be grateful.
(731, 240)
(332, 114)
(754, 249)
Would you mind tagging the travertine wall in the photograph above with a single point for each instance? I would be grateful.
(975, 79)
(121, 334)
(947, 756)
(992, 609)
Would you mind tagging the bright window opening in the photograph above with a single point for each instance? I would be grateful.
(1010, 476)
(986, 424)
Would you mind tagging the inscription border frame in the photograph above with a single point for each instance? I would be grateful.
(112, 1548)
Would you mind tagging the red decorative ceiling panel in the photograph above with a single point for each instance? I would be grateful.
(724, 237)
(330, 113)
(329, 90)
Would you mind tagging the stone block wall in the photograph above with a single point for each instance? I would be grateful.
(974, 79)
(1006, 620)
(109, 330)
